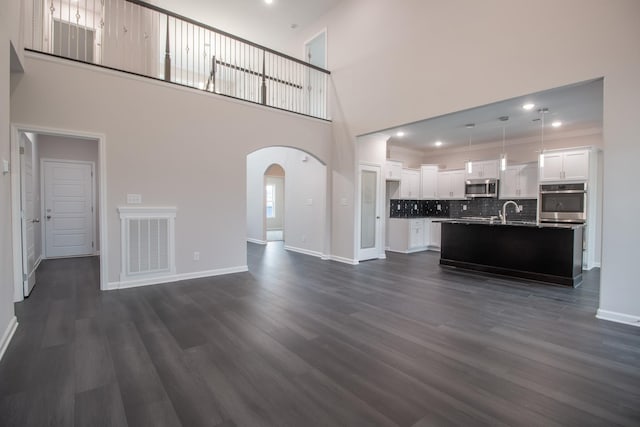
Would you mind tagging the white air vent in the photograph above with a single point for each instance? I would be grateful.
(148, 242)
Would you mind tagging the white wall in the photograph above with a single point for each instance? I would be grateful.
(305, 197)
(410, 158)
(67, 148)
(6, 255)
(174, 146)
(474, 53)
(518, 151)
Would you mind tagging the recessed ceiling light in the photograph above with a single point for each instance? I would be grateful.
(438, 143)
(556, 124)
(400, 134)
(268, 1)
(528, 106)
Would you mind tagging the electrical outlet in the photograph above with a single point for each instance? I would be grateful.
(415, 206)
(196, 256)
(439, 207)
(520, 208)
(464, 207)
(398, 206)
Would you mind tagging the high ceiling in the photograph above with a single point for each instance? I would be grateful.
(266, 24)
(577, 106)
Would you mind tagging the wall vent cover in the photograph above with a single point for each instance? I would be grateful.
(148, 242)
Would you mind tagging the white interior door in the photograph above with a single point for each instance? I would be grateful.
(68, 208)
(29, 216)
(370, 235)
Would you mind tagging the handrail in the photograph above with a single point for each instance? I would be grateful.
(226, 34)
(139, 38)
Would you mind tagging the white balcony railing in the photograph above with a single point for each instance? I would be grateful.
(140, 38)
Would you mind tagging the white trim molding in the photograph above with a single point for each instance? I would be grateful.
(256, 241)
(8, 334)
(304, 251)
(612, 316)
(344, 260)
(175, 278)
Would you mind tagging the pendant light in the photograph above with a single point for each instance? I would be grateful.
(469, 162)
(503, 156)
(542, 112)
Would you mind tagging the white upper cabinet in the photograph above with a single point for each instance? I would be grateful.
(519, 181)
(429, 181)
(484, 169)
(565, 166)
(410, 184)
(451, 184)
(393, 170)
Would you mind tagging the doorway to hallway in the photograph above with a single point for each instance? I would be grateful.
(274, 202)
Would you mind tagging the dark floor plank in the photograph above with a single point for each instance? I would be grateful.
(100, 407)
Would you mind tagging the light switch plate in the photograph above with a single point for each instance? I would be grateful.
(134, 199)
(5, 166)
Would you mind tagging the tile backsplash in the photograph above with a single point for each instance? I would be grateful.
(490, 207)
(456, 208)
(418, 208)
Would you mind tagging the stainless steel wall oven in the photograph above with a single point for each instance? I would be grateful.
(563, 203)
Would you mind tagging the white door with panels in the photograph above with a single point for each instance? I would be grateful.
(370, 241)
(29, 214)
(68, 208)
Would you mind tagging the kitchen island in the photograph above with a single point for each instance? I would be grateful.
(550, 253)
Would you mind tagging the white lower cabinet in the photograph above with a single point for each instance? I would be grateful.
(408, 235)
(435, 231)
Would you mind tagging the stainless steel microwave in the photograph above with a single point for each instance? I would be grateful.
(475, 188)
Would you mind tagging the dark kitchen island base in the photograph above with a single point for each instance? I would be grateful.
(551, 254)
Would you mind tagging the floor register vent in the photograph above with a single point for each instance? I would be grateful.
(148, 242)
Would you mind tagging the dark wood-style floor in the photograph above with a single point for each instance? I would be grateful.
(304, 342)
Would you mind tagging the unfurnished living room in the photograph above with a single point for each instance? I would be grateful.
(319, 212)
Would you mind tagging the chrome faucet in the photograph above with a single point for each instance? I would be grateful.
(503, 215)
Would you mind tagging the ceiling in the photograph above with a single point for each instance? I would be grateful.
(577, 106)
(254, 20)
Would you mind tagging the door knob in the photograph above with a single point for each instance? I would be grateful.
(48, 216)
(36, 220)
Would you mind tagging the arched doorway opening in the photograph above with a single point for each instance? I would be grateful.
(303, 200)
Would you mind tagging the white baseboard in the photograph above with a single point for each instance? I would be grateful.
(344, 260)
(382, 256)
(174, 278)
(37, 264)
(304, 251)
(612, 316)
(256, 241)
(8, 334)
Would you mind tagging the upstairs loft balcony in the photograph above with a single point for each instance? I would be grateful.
(142, 39)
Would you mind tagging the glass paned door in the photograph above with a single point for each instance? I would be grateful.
(369, 241)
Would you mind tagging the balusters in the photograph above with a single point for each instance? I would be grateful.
(130, 36)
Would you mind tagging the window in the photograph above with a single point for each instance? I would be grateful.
(271, 201)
